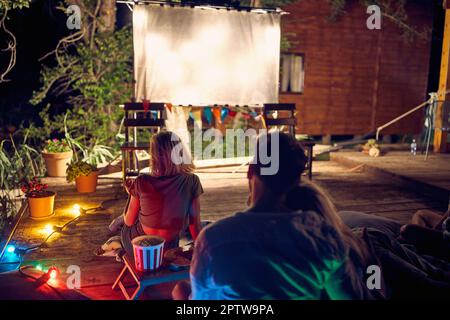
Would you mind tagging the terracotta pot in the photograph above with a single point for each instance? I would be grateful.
(41, 206)
(56, 163)
(87, 184)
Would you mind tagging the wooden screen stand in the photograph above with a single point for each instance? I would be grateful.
(145, 279)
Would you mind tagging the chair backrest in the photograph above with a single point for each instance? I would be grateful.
(290, 120)
(143, 115)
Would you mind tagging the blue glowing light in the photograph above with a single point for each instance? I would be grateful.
(10, 248)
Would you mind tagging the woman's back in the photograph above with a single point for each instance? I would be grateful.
(165, 201)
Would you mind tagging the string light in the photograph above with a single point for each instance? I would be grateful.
(39, 267)
(48, 229)
(76, 210)
(53, 272)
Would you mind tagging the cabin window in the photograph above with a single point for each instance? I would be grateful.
(292, 72)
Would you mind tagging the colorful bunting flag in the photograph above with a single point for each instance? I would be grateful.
(196, 115)
(208, 114)
(232, 113)
(224, 113)
(217, 114)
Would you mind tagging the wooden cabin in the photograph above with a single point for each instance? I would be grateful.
(355, 79)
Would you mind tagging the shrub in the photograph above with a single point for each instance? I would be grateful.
(57, 146)
(79, 168)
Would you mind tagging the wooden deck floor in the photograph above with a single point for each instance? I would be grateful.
(225, 194)
(431, 176)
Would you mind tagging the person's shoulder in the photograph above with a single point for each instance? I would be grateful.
(143, 178)
(220, 230)
(191, 177)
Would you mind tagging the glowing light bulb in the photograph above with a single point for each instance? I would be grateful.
(76, 210)
(48, 229)
(10, 248)
(53, 272)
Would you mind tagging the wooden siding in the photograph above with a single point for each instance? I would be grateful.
(356, 79)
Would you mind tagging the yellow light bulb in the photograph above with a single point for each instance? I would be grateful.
(48, 229)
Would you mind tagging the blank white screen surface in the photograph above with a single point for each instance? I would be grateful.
(206, 56)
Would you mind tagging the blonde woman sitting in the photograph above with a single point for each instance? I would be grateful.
(166, 201)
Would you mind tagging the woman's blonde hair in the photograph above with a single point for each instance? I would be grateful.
(162, 147)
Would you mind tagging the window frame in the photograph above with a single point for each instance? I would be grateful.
(301, 54)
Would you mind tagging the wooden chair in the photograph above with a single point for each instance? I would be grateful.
(290, 122)
(270, 108)
(138, 115)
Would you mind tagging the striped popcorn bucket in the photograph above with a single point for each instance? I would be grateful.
(148, 252)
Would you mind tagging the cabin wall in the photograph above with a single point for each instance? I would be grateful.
(356, 79)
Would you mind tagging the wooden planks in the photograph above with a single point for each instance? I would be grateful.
(225, 194)
(356, 79)
(431, 176)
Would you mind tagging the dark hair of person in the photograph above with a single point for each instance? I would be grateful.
(305, 196)
(291, 162)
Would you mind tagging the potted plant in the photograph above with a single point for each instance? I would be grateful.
(40, 201)
(371, 148)
(57, 155)
(84, 174)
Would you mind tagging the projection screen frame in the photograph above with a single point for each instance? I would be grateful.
(258, 10)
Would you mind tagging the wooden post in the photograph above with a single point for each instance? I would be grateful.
(440, 137)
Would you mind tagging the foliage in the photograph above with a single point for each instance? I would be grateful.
(33, 187)
(17, 162)
(57, 146)
(98, 154)
(77, 169)
(395, 11)
(371, 143)
(95, 155)
(5, 7)
(13, 4)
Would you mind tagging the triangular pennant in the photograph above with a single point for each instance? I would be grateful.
(224, 114)
(217, 114)
(232, 113)
(208, 114)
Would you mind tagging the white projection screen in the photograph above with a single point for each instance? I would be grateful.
(204, 56)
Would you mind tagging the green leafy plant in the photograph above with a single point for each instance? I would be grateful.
(95, 77)
(96, 155)
(18, 162)
(57, 146)
(79, 168)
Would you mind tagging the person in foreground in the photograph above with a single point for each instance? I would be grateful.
(414, 258)
(271, 252)
(165, 202)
